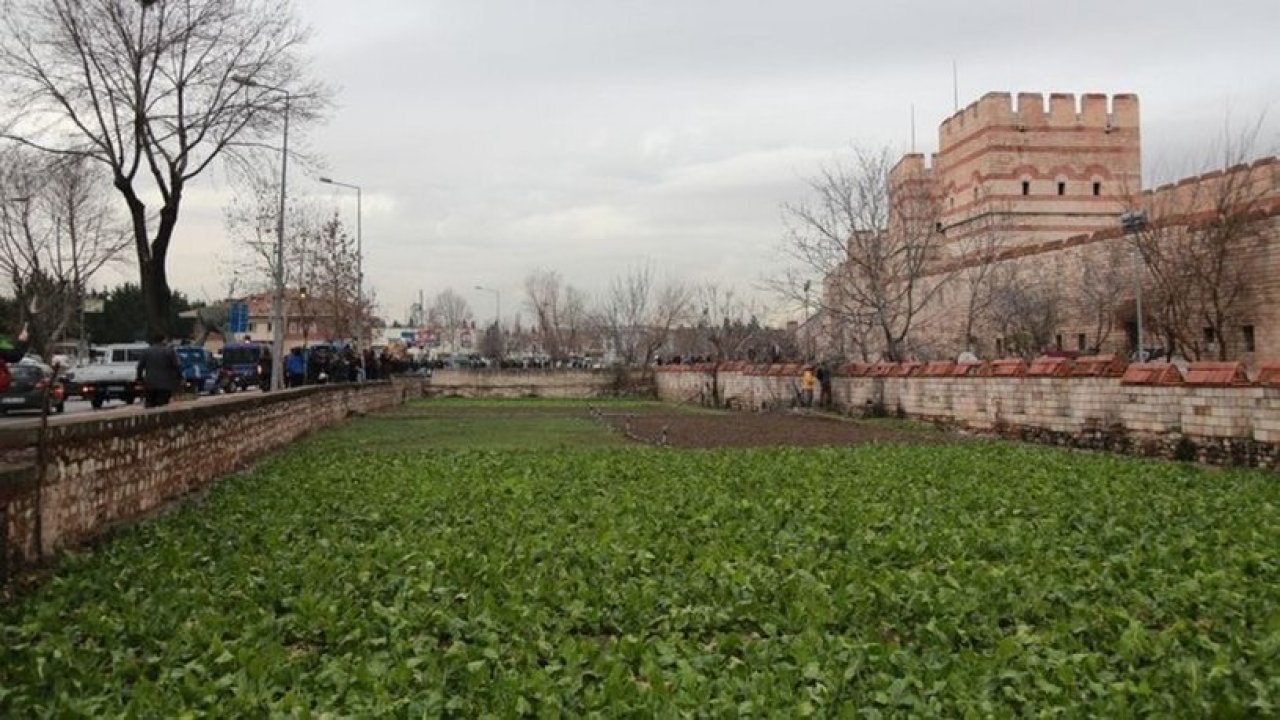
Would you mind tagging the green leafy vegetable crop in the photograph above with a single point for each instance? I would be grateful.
(351, 578)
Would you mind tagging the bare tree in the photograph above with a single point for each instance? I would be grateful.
(1104, 282)
(875, 234)
(978, 255)
(726, 327)
(1026, 309)
(56, 233)
(1200, 250)
(215, 314)
(251, 223)
(451, 312)
(150, 91)
(491, 342)
(331, 280)
(638, 316)
(560, 311)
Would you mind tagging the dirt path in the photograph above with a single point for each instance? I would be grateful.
(683, 428)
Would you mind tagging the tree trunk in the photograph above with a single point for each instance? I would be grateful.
(156, 297)
(156, 293)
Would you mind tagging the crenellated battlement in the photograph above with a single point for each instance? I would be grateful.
(912, 166)
(1093, 111)
(1256, 182)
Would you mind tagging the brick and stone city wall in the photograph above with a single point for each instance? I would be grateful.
(109, 468)
(1212, 413)
(536, 383)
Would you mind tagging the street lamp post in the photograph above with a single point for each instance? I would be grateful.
(1134, 222)
(360, 330)
(497, 296)
(306, 329)
(277, 295)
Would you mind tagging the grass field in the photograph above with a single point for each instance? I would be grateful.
(515, 558)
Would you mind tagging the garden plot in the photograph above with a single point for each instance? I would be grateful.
(399, 567)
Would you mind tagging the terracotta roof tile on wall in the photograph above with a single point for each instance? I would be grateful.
(1098, 366)
(1221, 374)
(1007, 367)
(785, 369)
(1050, 367)
(1269, 374)
(968, 369)
(1152, 374)
(853, 369)
(938, 368)
(906, 369)
(882, 369)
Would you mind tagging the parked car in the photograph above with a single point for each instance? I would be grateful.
(240, 362)
(199, 370)
(110, 374)
(27, 386)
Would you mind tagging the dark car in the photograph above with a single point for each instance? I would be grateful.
(199, 372)
(27, 386)
(240, 361)
(321, 360)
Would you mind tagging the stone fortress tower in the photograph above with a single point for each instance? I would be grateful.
(1038, 188)
(1033, 173)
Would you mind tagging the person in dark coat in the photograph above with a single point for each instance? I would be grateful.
(824, 386)
(160, 372)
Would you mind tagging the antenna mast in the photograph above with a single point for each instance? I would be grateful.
(955, 86)
(913, 127)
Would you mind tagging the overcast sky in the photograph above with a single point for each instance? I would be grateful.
(586, 136)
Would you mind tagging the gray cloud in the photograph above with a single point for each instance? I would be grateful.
(496, 136)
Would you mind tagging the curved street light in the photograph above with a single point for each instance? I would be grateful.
(277, 295)
(360, 329)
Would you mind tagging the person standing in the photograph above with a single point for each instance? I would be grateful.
(264, 369)
(159, 372)
(807, 381)
(295, 367)
(824, 386)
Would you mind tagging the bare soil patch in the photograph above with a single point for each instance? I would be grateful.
(710, 429)
(690, 427)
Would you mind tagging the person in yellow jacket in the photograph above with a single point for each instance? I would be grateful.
(807, 381)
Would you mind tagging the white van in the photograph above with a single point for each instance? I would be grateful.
(110, 374)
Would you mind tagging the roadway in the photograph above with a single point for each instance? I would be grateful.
(74, 408)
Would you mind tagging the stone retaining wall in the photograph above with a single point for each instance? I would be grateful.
(537, 383)
(1214, 414)
(114, 466)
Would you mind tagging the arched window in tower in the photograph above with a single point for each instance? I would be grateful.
(1026, 186)
(1062, 185)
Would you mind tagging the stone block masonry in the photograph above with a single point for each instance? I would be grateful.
(110, 468)
(537, 383)
(1161, 414)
